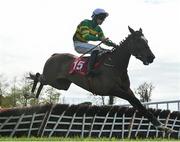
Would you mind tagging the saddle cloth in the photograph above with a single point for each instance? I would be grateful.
(80, 65)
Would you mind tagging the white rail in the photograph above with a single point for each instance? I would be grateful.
(175, 103)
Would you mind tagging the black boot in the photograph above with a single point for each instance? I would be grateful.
(92, 61)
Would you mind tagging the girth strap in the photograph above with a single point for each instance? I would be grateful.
(91, 85)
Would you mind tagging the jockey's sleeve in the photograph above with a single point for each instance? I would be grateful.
(89, 37)
(90, 34)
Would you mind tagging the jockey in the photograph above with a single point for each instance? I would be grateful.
(89, 30)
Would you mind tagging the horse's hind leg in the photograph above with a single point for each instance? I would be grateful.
(35, 82)
(39, 90)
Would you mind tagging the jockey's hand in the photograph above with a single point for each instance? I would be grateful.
(110, 43)
(104, 39)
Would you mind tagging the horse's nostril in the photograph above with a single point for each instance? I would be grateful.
(151, 58)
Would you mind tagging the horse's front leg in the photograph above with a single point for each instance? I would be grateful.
(138, 105)
(131, 98)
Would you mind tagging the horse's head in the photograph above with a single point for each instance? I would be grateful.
(139, 47)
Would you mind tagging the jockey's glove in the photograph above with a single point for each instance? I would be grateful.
(110, 43)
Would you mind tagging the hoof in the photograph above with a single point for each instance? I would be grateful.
(165, 129)
(29, 95)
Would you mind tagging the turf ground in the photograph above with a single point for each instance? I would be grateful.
(60, 139)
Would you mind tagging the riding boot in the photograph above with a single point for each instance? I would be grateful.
(92, 61)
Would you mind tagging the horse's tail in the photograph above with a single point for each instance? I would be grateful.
(37, 78)
(34, 77)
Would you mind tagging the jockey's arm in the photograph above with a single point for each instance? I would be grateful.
(89, 37)
(109, 42)
(85, 31)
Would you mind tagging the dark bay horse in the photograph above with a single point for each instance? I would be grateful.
(113, 79)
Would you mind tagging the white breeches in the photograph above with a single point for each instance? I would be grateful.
(82, 47)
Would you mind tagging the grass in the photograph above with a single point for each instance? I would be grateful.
(53, 139)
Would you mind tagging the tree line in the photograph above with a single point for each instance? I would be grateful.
(12, 92)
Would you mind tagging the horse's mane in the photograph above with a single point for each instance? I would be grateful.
(122, 44)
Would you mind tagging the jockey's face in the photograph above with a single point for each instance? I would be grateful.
(100, 20)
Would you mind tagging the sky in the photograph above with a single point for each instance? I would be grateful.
(32, 30)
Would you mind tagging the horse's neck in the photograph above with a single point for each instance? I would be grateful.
(121, 58)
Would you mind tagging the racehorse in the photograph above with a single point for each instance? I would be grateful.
(113, 78)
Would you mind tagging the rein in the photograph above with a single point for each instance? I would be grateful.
(94, 47)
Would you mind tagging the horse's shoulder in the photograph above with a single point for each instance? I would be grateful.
(104, 55)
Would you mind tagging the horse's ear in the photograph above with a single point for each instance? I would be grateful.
(140, 30)
(131, 30)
